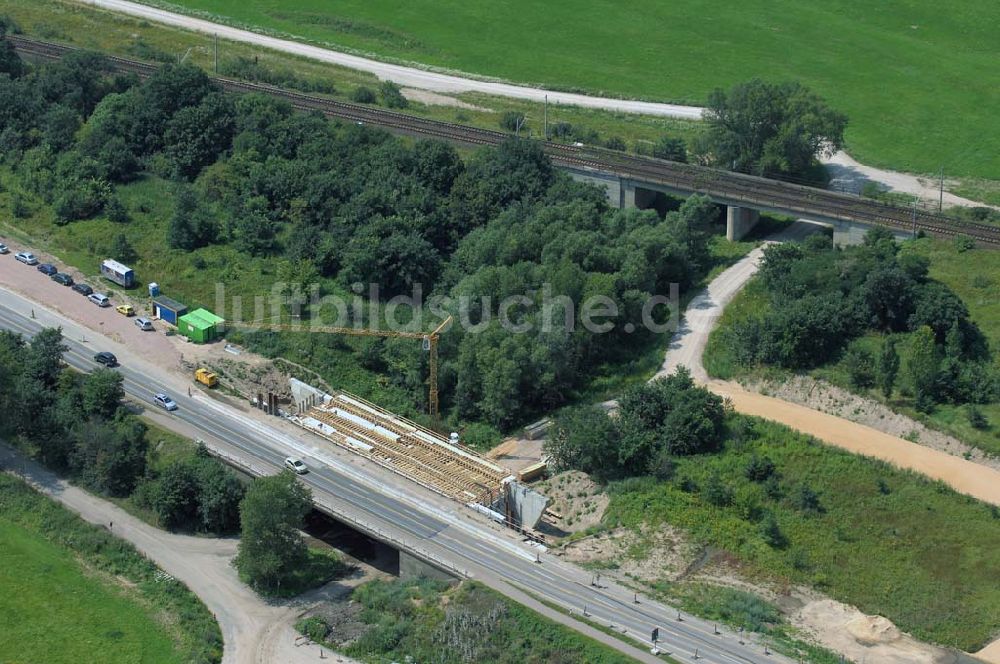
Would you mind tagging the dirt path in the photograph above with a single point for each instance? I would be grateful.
(254, 631)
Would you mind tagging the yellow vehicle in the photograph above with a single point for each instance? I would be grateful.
(206, 377)
(125, 310)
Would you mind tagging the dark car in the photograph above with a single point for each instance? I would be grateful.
(106, 358)
(83, 289)
(47, 268)
(62, 278)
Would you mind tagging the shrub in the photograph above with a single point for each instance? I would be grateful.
(512, 120)
(561, 130)
(363, 95)
(616, 143)
(314, 627)
(860, 366)
(759, 468)
(392, 96)
(771, 533)
(976, 418)
(717, 492)
(806, 500)
(963, 243)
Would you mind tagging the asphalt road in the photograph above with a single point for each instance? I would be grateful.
(450, 538)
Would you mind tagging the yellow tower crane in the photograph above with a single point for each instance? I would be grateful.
(429, 339)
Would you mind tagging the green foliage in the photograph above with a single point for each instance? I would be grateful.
(392, 96)
(122, 250)
(670, 148)
(252, 69)
(768, 129)
(512, 121)
(828, 526)
(271, 549)
(861, 368)
(964, 243)
(68, 575)
(976, 418)
(363, 95)
(923, 365)
(888, 366)
(427, 621)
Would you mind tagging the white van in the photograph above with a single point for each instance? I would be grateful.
(100, 299)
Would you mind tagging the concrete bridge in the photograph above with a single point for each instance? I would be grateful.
(741, 216)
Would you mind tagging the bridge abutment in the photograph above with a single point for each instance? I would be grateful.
(740, 221)
(411, 567)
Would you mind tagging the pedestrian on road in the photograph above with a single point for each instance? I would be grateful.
(111, 524)
(189, 393)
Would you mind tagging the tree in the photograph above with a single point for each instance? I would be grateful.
(771, 533)
(363, 95)
(10, 62)
(271, 548)
(392, 96)
(44, 357)
(110, 457)
(59, 125)
(671, 148)
(861, 370)
(219, 496)
(584, 438)
(176, 496)
(889, 294)
(888, 366)
(196, 135)
(759, 468)
(102, 393)
(512, 120)
(769, 129)
(923, 365)
(122, 250)
(190, 226)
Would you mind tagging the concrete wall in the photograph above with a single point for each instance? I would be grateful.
(411, 567)
(849, 234)
(610, 183)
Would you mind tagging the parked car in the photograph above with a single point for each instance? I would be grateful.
(100, 299)
(296, 466)
(144, 324)
(163, 401)
(26, 257)
(4, 249)
(83, 289)
(125, 310)
(62, 278)
(107, 359)
(47, 268)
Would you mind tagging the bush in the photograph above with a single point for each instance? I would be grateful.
(314, 627)
(512, 120)
(963, 243)
(392, 96)
(562, 130)
(860, 366)
(758, 468)
(976, 418)
(806, 500)
(363, 95)
(616, 143)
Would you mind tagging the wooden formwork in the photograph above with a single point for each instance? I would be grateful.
(413, 451)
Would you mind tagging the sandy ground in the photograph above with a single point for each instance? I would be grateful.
(438, 99)
(822, 396)
(847, 171)
(254, 631)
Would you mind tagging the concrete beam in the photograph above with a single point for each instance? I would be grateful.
(740, 221)
(411, 567)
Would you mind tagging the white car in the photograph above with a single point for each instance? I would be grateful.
(144, 324)
(4, 249)
(296, 466)
(26, 257)
(164, 402)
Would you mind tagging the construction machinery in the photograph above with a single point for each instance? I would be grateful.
(428, 339)
(206, 377)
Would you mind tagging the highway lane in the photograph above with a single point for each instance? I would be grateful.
(430, 532)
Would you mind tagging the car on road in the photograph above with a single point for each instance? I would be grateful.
(26, 257)
(4, 249)
(62, 278)
(164, 402)
(144, 324)
(125, 310)
(296, 466)
(100, 299)
(83, 289)
(47, 268)
(107, 359)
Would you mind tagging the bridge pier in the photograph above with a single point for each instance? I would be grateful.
(636, 197)
(740, 221)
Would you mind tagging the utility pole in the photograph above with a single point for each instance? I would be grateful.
(545, 121)
(216, 53)
(520, 123)
(941, 191)
(914, 216)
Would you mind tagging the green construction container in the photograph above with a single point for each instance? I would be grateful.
(201, 326)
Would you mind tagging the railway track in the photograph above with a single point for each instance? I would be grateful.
(723, 185)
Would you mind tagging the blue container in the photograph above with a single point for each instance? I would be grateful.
(167, 309)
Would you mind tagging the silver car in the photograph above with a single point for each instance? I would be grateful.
(296, 466)
(26, 257)
(164, 402)
(144, 324)
(4, 249)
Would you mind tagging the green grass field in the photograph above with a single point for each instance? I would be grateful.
(70, 592)
(918, 80)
